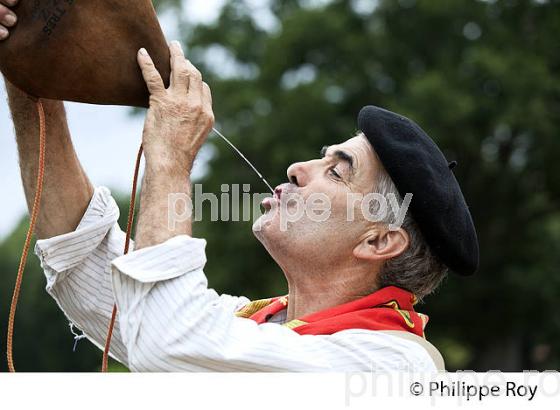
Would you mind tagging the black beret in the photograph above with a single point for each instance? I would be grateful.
(416, 165)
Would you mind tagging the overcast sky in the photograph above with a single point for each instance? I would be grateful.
(106, 137)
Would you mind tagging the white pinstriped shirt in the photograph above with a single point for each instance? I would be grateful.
(169, 320)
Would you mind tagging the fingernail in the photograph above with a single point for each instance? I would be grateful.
(143, 51)
(10, 19)
(3, 33)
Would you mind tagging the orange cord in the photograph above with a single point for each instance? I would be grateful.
(32, 222)
(105, 362)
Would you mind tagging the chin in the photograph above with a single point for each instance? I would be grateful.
(266, 225)
(267, 230)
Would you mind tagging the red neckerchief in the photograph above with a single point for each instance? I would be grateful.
(389, 308)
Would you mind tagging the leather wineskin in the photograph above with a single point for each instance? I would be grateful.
(84, 50)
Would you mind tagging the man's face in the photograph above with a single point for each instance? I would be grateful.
(295, 223)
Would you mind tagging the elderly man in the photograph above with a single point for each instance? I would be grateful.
(352, 284)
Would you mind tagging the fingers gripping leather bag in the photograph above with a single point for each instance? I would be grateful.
(84, 50)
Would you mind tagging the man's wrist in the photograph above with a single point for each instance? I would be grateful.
(161, 178)
(168, 165)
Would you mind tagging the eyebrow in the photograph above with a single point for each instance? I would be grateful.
(341, 155)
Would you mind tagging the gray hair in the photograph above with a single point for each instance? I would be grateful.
(417, 269)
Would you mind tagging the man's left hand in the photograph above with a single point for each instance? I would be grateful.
(180, 116)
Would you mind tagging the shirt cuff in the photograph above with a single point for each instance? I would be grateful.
(63, 252)
(175, 257)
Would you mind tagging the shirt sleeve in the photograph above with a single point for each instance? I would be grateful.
(171, 321)
(77, 267)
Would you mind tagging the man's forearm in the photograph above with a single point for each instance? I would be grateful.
(177, 124)
(66, 190)
(153, 220)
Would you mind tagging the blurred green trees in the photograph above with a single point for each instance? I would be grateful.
(481, 77)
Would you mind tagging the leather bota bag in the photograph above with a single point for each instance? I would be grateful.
(83, 50)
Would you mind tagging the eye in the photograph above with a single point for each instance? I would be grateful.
(334, 173)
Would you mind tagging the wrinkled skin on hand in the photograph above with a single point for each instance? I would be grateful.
(180, 116)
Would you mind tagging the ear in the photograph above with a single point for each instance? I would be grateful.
(381, 244)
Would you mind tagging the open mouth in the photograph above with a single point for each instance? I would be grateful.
(269, 201)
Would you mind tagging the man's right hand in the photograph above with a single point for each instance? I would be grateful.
(7, 17)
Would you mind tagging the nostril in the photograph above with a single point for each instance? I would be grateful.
(293, 180)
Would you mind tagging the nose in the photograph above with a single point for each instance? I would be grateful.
(298, 173)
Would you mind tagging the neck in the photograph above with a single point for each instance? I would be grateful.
(311, 292)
